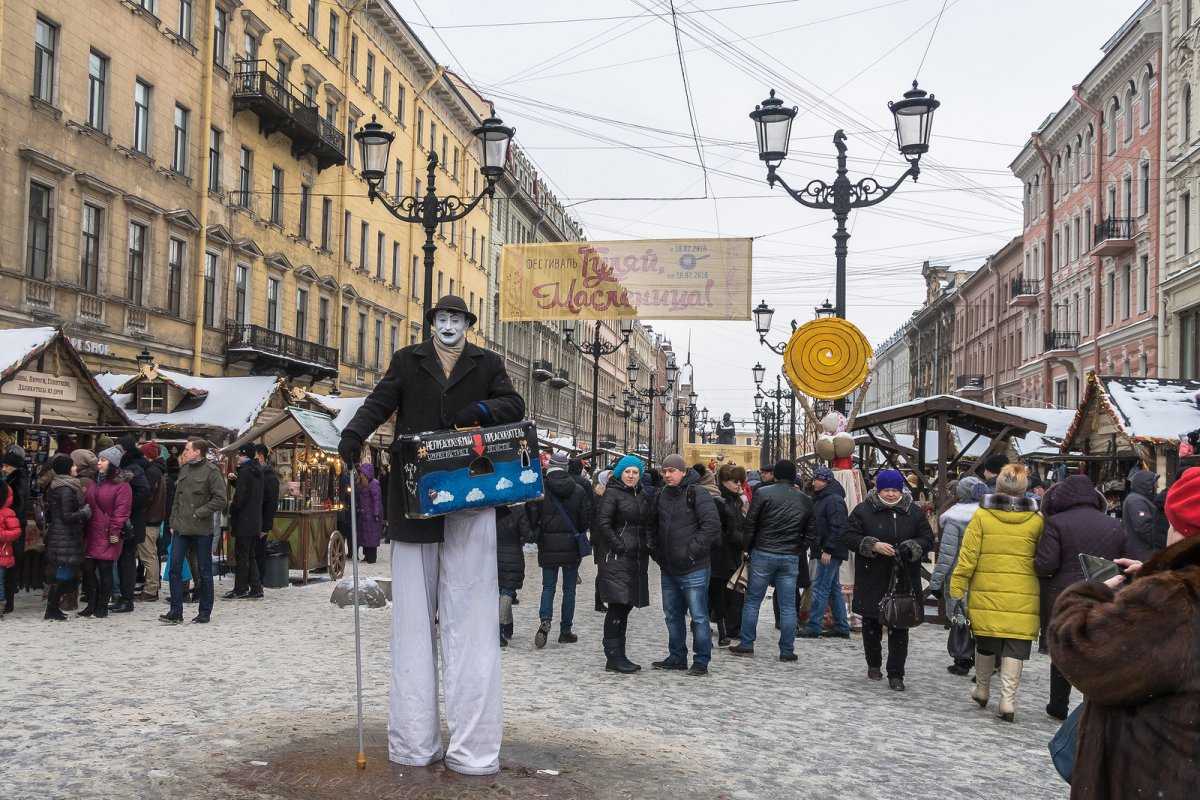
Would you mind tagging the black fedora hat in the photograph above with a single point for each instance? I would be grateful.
(451, 302)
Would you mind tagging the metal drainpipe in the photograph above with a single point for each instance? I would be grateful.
(206, 91)
(1160, 299)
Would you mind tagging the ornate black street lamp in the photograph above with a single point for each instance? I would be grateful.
(431, 211)
(597, 349)
(779, 395)
(682, 410)
(913, 117)
(650, 394)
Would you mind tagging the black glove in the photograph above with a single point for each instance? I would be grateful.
(910, 550)
(469, 416)
(350, 448)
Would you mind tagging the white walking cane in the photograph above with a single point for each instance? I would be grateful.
(361, 760)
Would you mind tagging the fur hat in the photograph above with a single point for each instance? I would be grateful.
(1183, 503)
(785, 470)
(1013, 480)
(149, 450)
(674, 461)
(889, 479)
(61, 464)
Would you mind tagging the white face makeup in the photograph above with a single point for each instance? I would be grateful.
(450, 327)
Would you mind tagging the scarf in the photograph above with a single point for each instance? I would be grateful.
(69, 481)
(447, 354)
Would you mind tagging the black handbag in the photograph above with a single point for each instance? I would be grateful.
(900, 609)
(581, 540)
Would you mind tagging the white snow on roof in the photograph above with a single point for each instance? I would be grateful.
(232, 403)
(1155, 408)
(1056, 420)
(345, 407)
(16, 345)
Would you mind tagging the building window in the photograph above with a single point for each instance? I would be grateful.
(361, 339)
(326, 221)
(445, 143)
(1143, 187)
(210, 289)
(151, 397)
(439, 284)
(379, 240)
(1144, 284)
(220, 31)
(305, 193)
(273, 303)
(214, 160)
(1060, 394)
(179, 150)
(346, 237)
(1087, 311)
(1185, 222)
(345, 334)
(44, 54)
(185, 19)
(354, 56)
(1187, 114)
(1114, 110)
(323, 321)
(301, 313)
(1127, 186)
(334, 21)
(277, 195)
(1087, 230)
(1189, 344)
(473, 236)
(241, 288)
(454, 162)
(351, 145)
(141, 117)
(97, 89)
(421, 127)
(370, 73)
(414, 281)
(385, 93)
(378, 343)
(399, 192)
(1126, 291)
(395, 263)
(39, 233)
(250, 45)
(1111, 304)
(395, 338)
(176, 254)
(311, 26)
(1130, 95)
(89, 268)
(137, 263)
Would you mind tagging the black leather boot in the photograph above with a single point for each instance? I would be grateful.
(722, 635)
(616, 660)
(52, 610)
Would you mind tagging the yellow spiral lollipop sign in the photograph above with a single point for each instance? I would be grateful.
(827, 358)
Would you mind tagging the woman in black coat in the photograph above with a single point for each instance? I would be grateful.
(1075, 523)
(66, 515)
(621, 525)
(888, 531)
(725, 605)
(512, 532)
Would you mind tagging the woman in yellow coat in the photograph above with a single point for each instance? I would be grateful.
(995, 571)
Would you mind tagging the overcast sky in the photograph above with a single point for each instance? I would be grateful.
(999, 69)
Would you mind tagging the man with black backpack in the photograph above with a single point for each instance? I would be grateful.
(559, 522)
(683, 526)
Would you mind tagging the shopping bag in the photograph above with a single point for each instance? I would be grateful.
(1063, 744)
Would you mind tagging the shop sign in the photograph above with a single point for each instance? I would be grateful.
(41, 384)
(91, 348)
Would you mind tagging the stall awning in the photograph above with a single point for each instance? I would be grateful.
(315, 426)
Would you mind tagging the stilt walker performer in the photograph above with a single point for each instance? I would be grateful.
(443, 567)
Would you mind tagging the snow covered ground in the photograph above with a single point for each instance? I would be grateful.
(260, 704)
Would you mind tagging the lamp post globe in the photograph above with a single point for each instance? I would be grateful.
(759, 373)
(374, 145)
(672, 373)
(914, 121)
(758, 401)
(626, 325)
(495, 137)
(763, 314)
(773, 128)
(825, 310)
(632, 369)
(692, 397)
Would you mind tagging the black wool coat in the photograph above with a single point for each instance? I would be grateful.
(65, 524)
(270, 502)
(873, 521)
(245, 512)
(726, 555)
(620, 523)
(512, 531)
(417, 391)
(135, 463)
(557, 545)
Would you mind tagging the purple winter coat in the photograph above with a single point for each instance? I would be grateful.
(111, 500)
(369, 502)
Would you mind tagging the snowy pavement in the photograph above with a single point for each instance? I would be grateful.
(259, 704)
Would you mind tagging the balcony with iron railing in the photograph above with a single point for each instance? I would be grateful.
(1059, 341)
(1024, 291)
(1113, 236)
(968, 384)
(280, 107)
(271, 352)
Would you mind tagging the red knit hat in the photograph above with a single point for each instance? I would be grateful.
(1183, 503)
(149, 450)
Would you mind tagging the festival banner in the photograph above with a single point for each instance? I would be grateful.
(637, 278)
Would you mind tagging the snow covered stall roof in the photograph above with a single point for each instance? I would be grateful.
(1144, 410)
(20, 346)
(317, 427)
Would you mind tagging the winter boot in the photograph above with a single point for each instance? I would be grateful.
(722, 634)
(543, 633)
(625, 658)
(615, 659)
(506, 619)
(600, 606)
(1010, 681)
(985, 665)
(567, 637)
(52, 610)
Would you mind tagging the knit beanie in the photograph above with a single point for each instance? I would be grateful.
(84, 459)
(965, 491)
(61, 464)
(1183, 503)
(149, 450)
(889, 479)
(113, 454)
(625, 463)
(14, 460)
(558, 463)
(675, 461)
(823, 473)
(785, 471)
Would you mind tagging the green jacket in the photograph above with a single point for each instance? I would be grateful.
(199, 493)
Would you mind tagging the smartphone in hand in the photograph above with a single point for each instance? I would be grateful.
(1096, 568)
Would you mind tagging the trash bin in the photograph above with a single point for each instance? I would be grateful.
(275, 573)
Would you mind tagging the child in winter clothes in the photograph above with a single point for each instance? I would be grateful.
(10, 531)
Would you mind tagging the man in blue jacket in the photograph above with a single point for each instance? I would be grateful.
(829, 512)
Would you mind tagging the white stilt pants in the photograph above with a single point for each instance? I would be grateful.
(456, 580)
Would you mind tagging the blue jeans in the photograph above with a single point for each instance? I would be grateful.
(204, 581)
(781, 571)
(687, 593)
(3, 570)
(549, 584)
(827, 588)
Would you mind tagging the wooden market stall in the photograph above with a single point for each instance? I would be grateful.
(303, 445)
(1123, 423)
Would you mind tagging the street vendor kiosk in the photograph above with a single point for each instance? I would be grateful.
(312, 516)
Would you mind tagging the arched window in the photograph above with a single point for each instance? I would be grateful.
(1072, 166)
(1088, 137)
(1058, 182)
(1037, 195)
(1147, 76)
(1114, 110)
(1130, 96)
(1028, 203)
